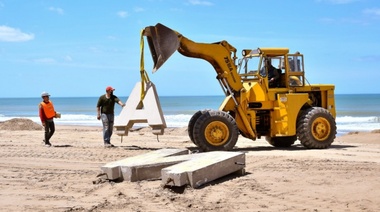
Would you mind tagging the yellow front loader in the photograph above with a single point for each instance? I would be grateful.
(281, 108)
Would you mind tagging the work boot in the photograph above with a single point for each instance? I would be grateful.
(108, 145)
(47, 144)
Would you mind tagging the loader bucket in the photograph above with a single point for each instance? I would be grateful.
(163, 42)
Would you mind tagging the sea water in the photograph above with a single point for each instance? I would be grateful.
(355, 112)
(82, 110)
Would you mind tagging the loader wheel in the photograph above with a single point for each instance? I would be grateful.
(281, 141)
(316, 128)
(215, 130)
(190, 127)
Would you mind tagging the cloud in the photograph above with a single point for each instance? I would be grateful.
(111, 37)
(338, 1)
(373, 12)
(355, 21)
(67, 58)
(369, 58)
(57, 10)
(9, 34)
(122, 14)
(200, 2)
(138, 9)
(94, 49)
(45, 61)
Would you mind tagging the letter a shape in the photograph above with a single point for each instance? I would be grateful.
(148, 112)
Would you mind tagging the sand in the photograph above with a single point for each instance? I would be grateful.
(63, 177)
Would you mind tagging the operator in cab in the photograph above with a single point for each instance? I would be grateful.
(273, 73)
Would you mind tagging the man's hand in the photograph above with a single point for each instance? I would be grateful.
(121, 103)
(98, 117)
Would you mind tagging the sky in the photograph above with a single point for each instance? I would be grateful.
(76, 48)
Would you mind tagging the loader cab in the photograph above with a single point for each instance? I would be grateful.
(290, 67)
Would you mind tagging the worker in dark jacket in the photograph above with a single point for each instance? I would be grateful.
(105, 109)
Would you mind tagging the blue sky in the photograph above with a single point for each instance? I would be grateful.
(77, 48)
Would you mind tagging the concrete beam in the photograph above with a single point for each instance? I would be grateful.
(203, 169)
(132, 168)
(175, 167)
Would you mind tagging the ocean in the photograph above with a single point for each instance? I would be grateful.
(355, 112)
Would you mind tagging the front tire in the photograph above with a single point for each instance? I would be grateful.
(316, 128)
(215, 131)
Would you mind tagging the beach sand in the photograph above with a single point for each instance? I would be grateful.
(63, 177)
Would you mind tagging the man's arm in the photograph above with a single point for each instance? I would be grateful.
(98, 111)
(41, 114)
(121, 103)
(98, 107)
(276, 74)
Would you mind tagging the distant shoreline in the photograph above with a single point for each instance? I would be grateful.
(165, 96)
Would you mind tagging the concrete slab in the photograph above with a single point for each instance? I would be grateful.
(118, 170)
(203, 169)
(175, 167)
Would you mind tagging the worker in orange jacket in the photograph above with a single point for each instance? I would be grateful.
(47, 114)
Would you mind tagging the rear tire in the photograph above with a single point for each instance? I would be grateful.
(281, 141)
(190, 127)
(215, 131)
(316, 128)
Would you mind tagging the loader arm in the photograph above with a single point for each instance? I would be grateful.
(163, 42)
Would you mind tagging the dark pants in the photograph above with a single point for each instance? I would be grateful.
(49, 130)
(107, 120)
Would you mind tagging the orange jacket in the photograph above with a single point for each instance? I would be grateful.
(46, 111)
